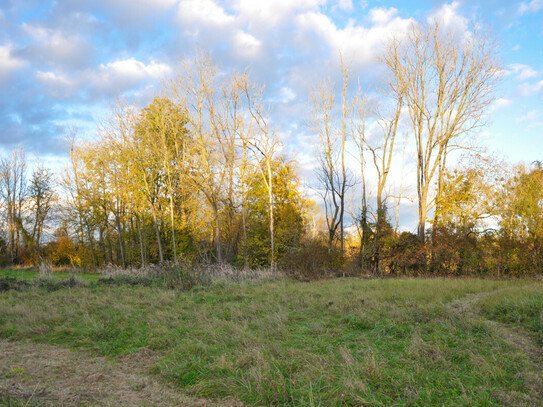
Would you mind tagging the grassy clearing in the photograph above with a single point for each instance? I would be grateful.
(335, 342)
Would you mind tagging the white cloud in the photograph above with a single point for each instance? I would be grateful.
(448, 15)
(382, 15)
(500, 103)
(109, 79)
(530, 116)
(132, 70)
(522, 72)
(527, 89)
(246, 45)
(532, 7)
(8, 63)
(204, 12)
(59, 86)
(357, 43)
(286, 94)
(535, 125)
(106, 80)
(345, 4)
(55, 46)
(52, 78)
(273, 12)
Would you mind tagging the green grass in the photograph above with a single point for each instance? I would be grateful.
(31, 274)
(521, 307)
(335, 342)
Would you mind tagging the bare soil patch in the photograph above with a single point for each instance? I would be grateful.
(46, 375)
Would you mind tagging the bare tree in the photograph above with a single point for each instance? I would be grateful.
(359, 119)
(13, 190)
(449, 81)
(333, 173)
(381, 145)
(322, 99)
(264, 144)
(401, 195)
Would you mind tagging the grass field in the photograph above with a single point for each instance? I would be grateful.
(326, 343)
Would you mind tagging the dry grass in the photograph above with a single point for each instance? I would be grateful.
(45, 268)
(334, 342)
(200, 274)
(228, 273)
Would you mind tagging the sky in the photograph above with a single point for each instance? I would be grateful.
(62, 63)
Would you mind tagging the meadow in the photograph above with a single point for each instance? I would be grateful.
(343, 341)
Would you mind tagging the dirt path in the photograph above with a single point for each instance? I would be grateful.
(47, 375)
(532, 374)
(466, 307)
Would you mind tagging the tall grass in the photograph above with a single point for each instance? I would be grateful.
(184, 276)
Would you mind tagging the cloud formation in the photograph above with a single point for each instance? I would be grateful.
(522, 72)
(63, 61)
(530, 7)
(8, 62)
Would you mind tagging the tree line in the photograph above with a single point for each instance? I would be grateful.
(198, 176)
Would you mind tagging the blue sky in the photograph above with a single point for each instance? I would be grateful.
(62, 62)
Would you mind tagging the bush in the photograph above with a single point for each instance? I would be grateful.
(62, 251)
(409, 255)
(12, 283)
(310, 260)
(51, 284)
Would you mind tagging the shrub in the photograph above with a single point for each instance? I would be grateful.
(409, 255)
(310, 260)
(12, 283)
(51, 284)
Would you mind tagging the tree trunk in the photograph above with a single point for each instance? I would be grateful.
(422, 216)
(441, 172)
(142, 252)
(217, 234)
(272, 234)
(159, 241)
(244, 226)
(331, 233)
(91, 244)
(121, 242)
(172, 219)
